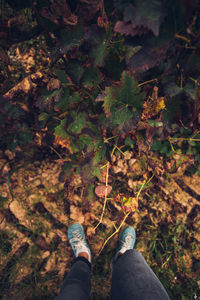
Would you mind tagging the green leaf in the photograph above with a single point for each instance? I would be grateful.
(71, 38)
(127, 93)
(64, 100)
(129, 142)
(48, 98)
(67, 168)
(173, 89)
(100, 155)
(62, 76)
(121, 116)
(153, 123)
(43, 117)
(60, 129)
(98, 53)
(84, 140)
(147, 14)
(75, 71)
(96, 172)
(91, 194)
(68, 101)
(91, 76)
(79, 122)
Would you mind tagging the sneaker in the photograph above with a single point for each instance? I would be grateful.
(77, 240)
(126, 241)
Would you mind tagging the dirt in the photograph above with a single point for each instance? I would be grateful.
(38, 214)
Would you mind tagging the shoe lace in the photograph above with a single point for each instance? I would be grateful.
(77, 240)
(127, 241)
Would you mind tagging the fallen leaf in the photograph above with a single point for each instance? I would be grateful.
(76, 214)
(53, 84)
(129, 204)
(63, 142)
(100, 190)
(42, 244)
(26, 85)
(90, 231)
(59, 13)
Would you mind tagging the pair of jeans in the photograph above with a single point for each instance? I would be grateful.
(132, 279)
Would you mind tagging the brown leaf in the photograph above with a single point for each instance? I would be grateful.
(103, 176)
(100, 190)
(63, 142)
(26, 85)
(53, 84)
(90, 231)
(128, 29)
(59, 13)
(76, 214)
(42, 244)
(88, 9)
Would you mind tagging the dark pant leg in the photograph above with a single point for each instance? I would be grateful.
(133, 279)
(77, 283)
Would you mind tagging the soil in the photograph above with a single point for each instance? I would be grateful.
(35, 253)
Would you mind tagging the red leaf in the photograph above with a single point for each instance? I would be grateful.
(100, 190)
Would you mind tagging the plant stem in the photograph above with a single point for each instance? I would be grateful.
(105, 198)
(116, 231)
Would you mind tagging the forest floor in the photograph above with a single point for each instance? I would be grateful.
(36, 210)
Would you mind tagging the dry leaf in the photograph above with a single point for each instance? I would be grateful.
(53, 84)
(100, 190)
(59, 13)
(42, 244)
(26, 85)
(76, 214)
(64, 143)
(90, 231)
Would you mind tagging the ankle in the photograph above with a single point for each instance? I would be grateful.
(84, 254)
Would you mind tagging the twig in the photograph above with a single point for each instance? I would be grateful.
(56, 152)
(116, 147)
(184, 139)
(116, 231)
(124, 219)
(138, 194)
(145, 82)
(105, 198)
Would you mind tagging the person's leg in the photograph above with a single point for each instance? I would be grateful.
(77, 284)
(132, 277)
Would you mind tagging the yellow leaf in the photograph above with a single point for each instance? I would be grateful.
(160, 105)
(26, 85)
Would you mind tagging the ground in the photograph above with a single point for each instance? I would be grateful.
(37, 208)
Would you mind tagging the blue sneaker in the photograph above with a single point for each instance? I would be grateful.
(126, 241)
(77, 240)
